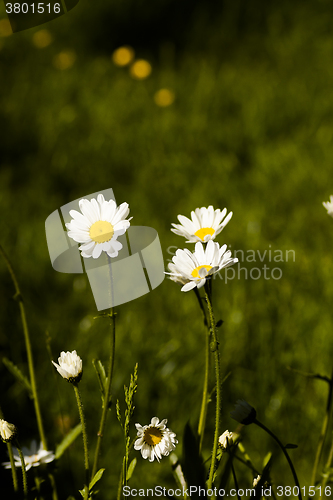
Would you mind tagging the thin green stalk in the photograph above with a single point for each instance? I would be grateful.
(234, 476)
(326, 474)
(112, 315)
(84, 432)
(259, 424)
(24, 474)
(12, 464)
(215, 349)
(323, 432)
(18, 297)
(205, 396)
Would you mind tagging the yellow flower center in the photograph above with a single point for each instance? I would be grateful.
(101, 231)
(201, 233)
(197, 274)
(152, 436)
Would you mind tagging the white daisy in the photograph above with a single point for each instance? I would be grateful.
(7, 431)
(32, 456)
(206, 223)
(192, 269)
(98, 226)
(243, 412)
(329, 206)
(155, 440)
(226, 439)
(70, 366)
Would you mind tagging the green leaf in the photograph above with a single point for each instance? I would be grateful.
(290, 446)
(130, 469)
(14, 370)
(267, 459)
(192, 462)
(102, 378)
(67, 441)
(177, 471)
(96, 478)
(263, 479)
(85, 493)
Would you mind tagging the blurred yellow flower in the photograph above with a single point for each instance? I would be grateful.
(42, 39)
(140, 69)
(64, 60)
(5, 28)
(164, 97)
(123, 55)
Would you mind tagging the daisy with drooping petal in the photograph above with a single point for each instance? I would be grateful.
(32, 456)
(155, 440)
(70, 366)
(192, 269)
(98, 226)
(205, 225)
(329, 206)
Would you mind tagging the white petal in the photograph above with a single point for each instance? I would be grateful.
(97, 251)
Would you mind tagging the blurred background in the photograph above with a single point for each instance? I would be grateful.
(224, 103)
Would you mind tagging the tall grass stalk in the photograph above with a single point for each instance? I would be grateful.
(18, 297)
(84, 433)
(24, 473)
(112, 316)
(324, 430)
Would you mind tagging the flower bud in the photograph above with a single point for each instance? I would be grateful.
(7, 431)
(243, 412)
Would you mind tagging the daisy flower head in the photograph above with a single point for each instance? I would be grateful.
(329, 206)
(7, 431)
(243, 412)
(32, 456)
(205, 224)
(155, 440)
(70, 366)
(98, 226)
(193, 269)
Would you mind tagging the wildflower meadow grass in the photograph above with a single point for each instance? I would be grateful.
(221, 376)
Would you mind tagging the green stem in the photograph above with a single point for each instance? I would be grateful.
(215, 348)
(18, 297)
(54, 487)
(12, 463)
(323, 432)
(112, 315)
(84, 433)
(24, 474)
(205, 398)
(121, 481)
(327, 467)
(234, 475)
(285, 454)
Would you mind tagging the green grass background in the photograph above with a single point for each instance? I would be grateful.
(251, 129)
